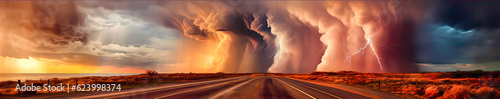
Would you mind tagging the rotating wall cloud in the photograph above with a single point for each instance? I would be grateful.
(297, 36)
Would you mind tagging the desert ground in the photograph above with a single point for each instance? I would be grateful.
(435, 85)
(149, 78)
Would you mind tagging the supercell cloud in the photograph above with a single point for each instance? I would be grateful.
(251, 36)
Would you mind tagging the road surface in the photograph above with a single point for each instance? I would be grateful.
(247, 87)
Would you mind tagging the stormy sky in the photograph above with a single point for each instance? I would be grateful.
(459, 36)
(247, 36)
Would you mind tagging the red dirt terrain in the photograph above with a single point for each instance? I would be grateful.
(436, 85)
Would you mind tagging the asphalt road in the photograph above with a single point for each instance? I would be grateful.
(247, 87)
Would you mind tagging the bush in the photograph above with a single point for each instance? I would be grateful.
(151, 72)
(433, 92)
(484, 93)
(410, 89)
(312, 78)
(434, 77)
(357, 81)
(457, 92)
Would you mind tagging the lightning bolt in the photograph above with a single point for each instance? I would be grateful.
(278, 57)
(251, 55)
(376, 55)
(368, 43)
(274, 53)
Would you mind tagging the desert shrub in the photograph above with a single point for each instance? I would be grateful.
(323, 78)
(312, 78)
(434, 77)
(369, 75)
(411, 89)
(316, 73)
(151, 73)
(473, 85)
(472, 80)
(484, 93)
(433, 92)
(8, 84)
(357, 81)
(456, 92)
(367, 81)
(338, 81)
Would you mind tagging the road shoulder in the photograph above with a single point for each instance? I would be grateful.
(361, 91)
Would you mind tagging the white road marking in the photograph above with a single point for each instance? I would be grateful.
(319, 90)
(206, 87)
(129, 93)
(296, 89)
(230, 90)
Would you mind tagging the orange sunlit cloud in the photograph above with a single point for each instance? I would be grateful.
(41, 65)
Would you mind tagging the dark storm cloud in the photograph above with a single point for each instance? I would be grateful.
(490, 47)
(313, 34)
(460, 32)
(263, 53)
(447, 45)
(245, 23)
(65, 19)
(43, 24)
(238, 25)
(468, 15)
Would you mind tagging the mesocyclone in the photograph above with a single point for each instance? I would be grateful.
(299, 36)
(218, 36)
